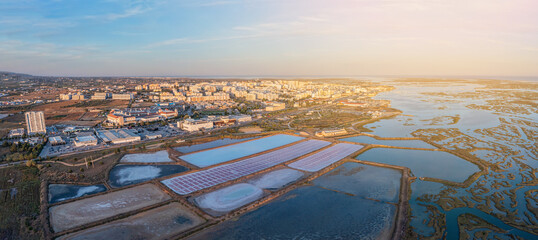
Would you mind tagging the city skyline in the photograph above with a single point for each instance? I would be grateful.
(182, 38)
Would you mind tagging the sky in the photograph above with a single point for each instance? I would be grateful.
(269, 37)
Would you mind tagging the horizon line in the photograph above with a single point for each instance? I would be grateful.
(250, 76)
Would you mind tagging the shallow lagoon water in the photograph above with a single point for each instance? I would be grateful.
(363, 181)
(395, 143)
(335, 207)
(227, 153)
(419, 110)
(434, 164)
(310, 213)
(62, 192)
(419, 214)
(123, 175)
(212, 144)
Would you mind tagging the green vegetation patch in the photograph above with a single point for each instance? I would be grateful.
(19, 151)
(57, 117)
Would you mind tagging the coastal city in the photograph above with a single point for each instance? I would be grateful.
(74, 119)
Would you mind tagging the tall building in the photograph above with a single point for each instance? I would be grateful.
(35, 121)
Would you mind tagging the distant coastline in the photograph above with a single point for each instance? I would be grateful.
(360, 77)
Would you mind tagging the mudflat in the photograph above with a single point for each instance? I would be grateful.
(74, 214)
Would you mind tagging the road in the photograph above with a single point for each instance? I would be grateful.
(5, 165)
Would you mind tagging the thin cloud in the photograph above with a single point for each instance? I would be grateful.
(301, 26)
(22, 49)
(179, 41)
(216, 3)
(130, 12)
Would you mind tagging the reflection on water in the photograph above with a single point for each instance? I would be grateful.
(434, 164)
(310, 213)
(340, 205)
(62, 192)
(420, 111)
(123, 175)
(497, 127)
(212, 144)
(363, 181)
(395, 143)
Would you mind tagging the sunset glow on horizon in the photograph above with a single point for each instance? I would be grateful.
(266, 37)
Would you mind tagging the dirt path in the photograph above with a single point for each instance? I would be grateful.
(79, 164)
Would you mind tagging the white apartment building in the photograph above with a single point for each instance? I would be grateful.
(78, 96)
(122, 96)
(35, 122)
(65, 97)
(100, 96)
(275, 106)
(192, 125)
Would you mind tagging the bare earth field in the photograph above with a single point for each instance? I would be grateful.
(74, 214)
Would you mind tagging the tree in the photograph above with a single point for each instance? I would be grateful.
(30, 163)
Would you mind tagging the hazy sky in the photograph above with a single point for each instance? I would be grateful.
(269, 37)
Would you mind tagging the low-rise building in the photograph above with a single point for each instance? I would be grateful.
(275, 106)
(139, 115)
(148, 118)
(118, 136)
(167, 113)
(153, 136)
(242, 118)
(331, 133)
(74, 129)
(192, 125)
(101, 96)
(122, 96)
(17, 132)
(57, 140)
(116, 119)
(86, 140)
